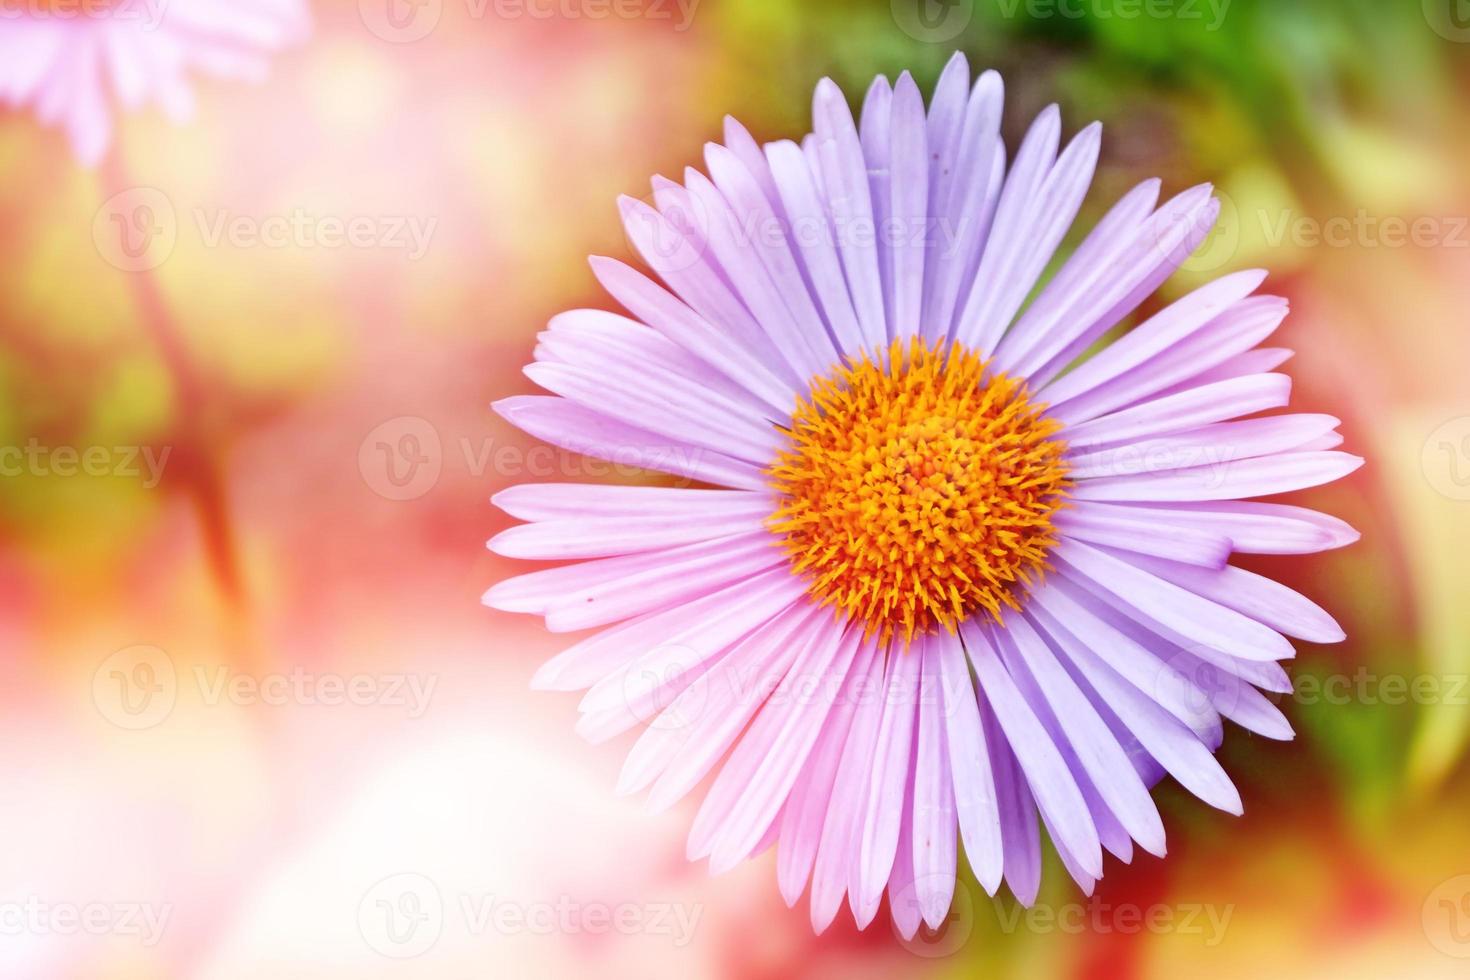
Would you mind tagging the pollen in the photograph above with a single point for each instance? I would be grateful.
(918, 489)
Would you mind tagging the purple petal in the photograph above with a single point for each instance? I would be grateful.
(946, 124)
(806, 810)
(1175, 607)
(668, 315)
(934, 854)
(566, 501)
(1102, 524)
(578, 429)
(1185, 410)
(979, 175)
(836, 854)
(1256, 596)
(662, 405)
(1257, 528)
(878, 834)
(909, 206)
(683, 263)
(737, 609)
(1018, 827)
(1232, 333)
(1156, 335)
(1262, 360)
(681, 743)
(1100, 756)
(1148, 633)
(1159, 248)
(739, 142)
(1131, 659)
(1216, 444)
(908, 893)
(1032, 218)
(1258, 477)
(764, 221)
(747, 796)
(874, 128)
(1165, 738)
(1048, 325)
(1046, 771)
(683, 578)
(845, 180)
(738, 240)
(812, 232)
(647, 581)
(974, 786)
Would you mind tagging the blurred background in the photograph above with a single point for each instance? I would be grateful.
(256, 721)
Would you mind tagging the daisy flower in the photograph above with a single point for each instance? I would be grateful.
(74, 61)
(954, 572)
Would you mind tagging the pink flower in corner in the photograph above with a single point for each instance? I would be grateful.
(75, 61)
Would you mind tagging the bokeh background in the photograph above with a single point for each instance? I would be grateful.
(255, 721)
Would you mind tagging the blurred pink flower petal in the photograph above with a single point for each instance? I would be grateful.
(74, 62)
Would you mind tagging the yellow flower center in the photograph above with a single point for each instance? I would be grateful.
(917, 489)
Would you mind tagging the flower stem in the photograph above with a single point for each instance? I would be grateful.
(201, 469)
